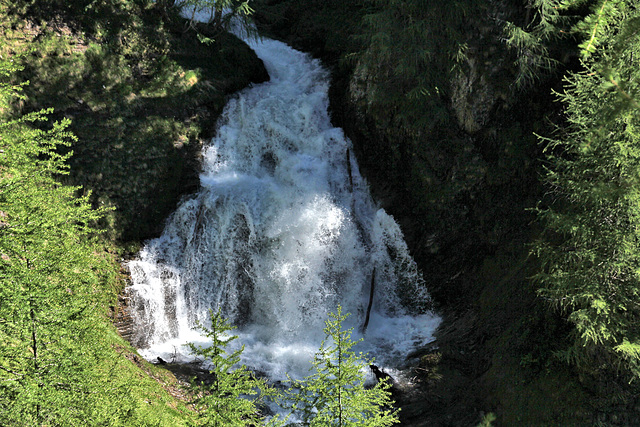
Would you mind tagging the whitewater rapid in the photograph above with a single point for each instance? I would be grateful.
(281, 232)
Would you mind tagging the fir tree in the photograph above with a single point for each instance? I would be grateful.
(335, 394)
(49, 276)
(231, 397)
(591, 262)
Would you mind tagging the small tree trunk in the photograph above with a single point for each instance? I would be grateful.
(340, 385)
(349, 171)
(34, 347)
(34, 338)
(366, 320)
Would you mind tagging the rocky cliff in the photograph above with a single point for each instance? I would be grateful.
(450, 151)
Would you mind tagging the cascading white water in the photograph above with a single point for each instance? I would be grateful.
(282, 231)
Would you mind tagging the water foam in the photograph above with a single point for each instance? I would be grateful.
(282, 231)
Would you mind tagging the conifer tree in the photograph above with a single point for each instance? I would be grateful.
(590, 256)
(335, 394)
(232, 396)
(48, 275)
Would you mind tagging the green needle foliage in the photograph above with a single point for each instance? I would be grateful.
(335, 395)
(530, 39)
(590, 252)
(49, 277)
(232, 396)
(546, 21)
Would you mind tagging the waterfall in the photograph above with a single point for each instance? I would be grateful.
(281, 232)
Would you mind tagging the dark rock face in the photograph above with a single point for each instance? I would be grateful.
(461, 191)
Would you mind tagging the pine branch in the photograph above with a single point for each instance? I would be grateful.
(590, 46)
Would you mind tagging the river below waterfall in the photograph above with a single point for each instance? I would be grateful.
(281, 232)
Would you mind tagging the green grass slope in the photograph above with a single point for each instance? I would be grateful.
(142, 94)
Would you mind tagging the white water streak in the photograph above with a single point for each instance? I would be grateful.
(276, 238)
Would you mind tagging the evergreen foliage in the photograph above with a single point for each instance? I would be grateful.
(590, 254)
(49, 277)
(546, 21)
(335, 394)
(60, 358)
(231, 397)
(530, 39)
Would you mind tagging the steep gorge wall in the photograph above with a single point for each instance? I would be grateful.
(461, 176)
(461, 181)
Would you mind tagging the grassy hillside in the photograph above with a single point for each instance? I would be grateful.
(142, 94)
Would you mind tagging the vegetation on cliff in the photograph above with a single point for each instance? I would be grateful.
(590, 251)
(141, 94)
